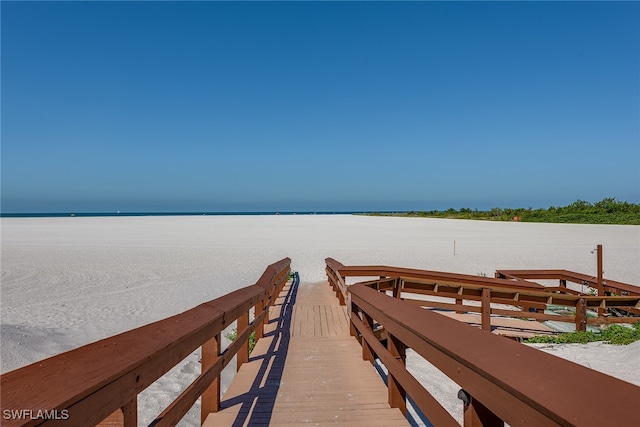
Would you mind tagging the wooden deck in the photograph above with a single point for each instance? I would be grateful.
(505, 326)
(307, 370)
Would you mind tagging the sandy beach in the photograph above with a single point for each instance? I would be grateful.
(70, 281)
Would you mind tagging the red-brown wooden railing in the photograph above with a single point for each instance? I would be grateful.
(501, 380)
(528, 299)
(100, 382)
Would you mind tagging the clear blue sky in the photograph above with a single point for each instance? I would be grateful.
(216, 106)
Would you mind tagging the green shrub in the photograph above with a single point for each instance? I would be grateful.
(620, 335)
(606, 211)
(614, 334)
(231, 336)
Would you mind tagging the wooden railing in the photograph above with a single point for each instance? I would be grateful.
(528, 299)
(336, 280)
(100, 382)
(501, 380)
(603, 286)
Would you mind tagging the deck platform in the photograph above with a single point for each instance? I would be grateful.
(307, 370)
(505, 326)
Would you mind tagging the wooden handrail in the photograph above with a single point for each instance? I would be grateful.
(84, 386)
(570, 276)
(541, 296)
(336, 279)
(388, 271)
(509, 289)
(507, 380)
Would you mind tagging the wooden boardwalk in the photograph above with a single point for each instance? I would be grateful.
(307, 370)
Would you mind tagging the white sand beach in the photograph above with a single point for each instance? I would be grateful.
(70, 281)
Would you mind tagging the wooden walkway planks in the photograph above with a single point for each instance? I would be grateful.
(307, 369)
(317, 313)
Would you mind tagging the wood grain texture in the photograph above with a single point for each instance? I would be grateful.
(307, 369)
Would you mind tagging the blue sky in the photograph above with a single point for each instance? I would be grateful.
(217, 106)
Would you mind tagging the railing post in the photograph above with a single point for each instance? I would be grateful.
(333, 281)
(210, 401)
(367, 351)
(397, 394)
(282, 281)
(486, 309)
(352, 328)
(339, 291)
(459, 302)
(265, 307)
(397, 288)
(243, 352)
(476, 414)
(259, 328)
(600, 280)
(130, 413)
(581, 315)
(127, 416)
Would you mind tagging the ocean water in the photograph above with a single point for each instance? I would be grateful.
(110, 214)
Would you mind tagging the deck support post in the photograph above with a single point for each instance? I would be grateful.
(486, 309)
(397, 394)
(476, 414)
(581, 315)
(210, 399)
(243, 352)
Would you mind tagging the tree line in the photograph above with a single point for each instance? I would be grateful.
(606, 211)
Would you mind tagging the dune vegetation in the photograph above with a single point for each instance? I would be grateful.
(606, 211)
(614, 334)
